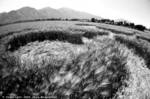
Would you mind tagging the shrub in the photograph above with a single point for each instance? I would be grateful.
(140, 27)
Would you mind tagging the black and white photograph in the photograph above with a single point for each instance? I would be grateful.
(75, 49)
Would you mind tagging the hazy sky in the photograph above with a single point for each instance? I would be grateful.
(137, 11)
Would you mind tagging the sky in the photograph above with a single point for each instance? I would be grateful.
(137, 11)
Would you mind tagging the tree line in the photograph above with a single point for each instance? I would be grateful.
(106, 21)
(120, 23)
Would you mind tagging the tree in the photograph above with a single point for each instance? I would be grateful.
(132, 25)
(140, 27)
(93, 20)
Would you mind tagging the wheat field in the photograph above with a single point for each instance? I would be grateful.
(74, 60)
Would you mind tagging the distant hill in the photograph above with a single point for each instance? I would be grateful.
(25, 13)
(50, 13)
(70, 13)
(28, 13)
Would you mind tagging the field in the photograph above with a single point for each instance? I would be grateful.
(74, 60)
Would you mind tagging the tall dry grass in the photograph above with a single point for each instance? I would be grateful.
(99, 68)
(99, 72)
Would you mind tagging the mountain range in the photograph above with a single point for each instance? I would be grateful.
(29, 13)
